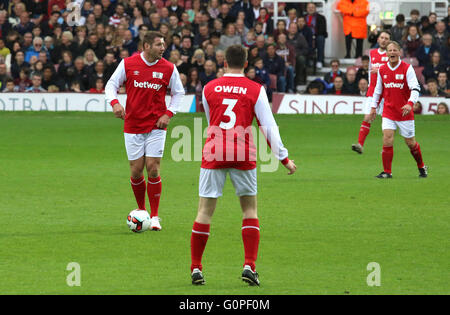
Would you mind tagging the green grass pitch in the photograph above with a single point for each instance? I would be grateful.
(65, 194)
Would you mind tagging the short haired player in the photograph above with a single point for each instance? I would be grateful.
(147, 76)
(397, 84)
(377, 58)
(231, 103)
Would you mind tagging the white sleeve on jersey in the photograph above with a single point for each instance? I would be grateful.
(205, 106)
(176, 90)
(119, 76)
(377, 92)
(413, 84)
(268, 125)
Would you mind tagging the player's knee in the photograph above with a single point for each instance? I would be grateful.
(410, 142)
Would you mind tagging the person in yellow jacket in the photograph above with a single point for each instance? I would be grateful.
(354, 13)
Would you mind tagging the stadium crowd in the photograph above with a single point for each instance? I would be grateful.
(40, 52)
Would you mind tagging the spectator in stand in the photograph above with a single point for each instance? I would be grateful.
(335, 71)
(186, 51)
(138, 19)
(64, 66)
(442, 109)
(414, 18)
(318, 25)
(363, 86)
(209, 72)
(262, 74)
(432, 19)
(202, 35)
(18, 63)
(155, 22)
(198, 60)
(287, 52)
(220, 59)
(411, 41)
(432, 89)
(182, 66)
(307, 33)
(350, 83)
(424, 52)
(443, 82)
(50, 78)
(5, 26)
(97, 46)
(9, 86)
(225, 15)
(175, 8)
(338, 86)
(100, 17)
(129, 43)
(275, 65)
(355, 26)
(241, 29)
(81, 73)
(363, 71)
(399, 29)
(281, 29)
(291, 17)
(25, 25)
(417, 108)
(301, 47)
(80, 40)
(23, 82)
(213, 8)
(315, 88)
(47, 26)
(229, 38)
(440, 35)
(90, 59)
(194, 86)
(99, 73)
(99, 86)
(266, 20)
(36, 79)
(66, 44)
(435, 66)
(35, 49)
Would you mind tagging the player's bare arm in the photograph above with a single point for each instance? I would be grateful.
(406, 109)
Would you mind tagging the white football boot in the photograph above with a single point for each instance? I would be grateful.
(154, 224)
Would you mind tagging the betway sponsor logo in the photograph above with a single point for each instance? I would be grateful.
(393, 85)
(147, 85)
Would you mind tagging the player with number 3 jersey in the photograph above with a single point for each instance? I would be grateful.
(231, 103)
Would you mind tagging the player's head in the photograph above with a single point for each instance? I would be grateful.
(383, 39)
(393, 51)
(153, 44)
(236, 57)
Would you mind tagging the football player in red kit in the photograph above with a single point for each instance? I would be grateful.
(231, 102)
(378, 58)
(397, 84)
(147, 77)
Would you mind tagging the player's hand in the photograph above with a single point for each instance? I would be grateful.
(291, 167)
(406, 110)
(373, 114)
(163, 121)
(119, 111)
(374, 69)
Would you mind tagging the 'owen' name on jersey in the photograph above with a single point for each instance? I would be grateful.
(230, 89)
(147, 85)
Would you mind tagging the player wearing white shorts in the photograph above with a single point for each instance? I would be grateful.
(398, 85)
(377, 58)
(147, 76)
(231, 103)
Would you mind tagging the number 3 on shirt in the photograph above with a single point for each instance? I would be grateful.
(229, 112)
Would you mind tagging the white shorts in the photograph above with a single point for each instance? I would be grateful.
(368, 107)
(212, 181)
(150, 144)
(406, 127)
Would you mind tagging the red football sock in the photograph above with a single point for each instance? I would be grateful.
(250, 237)
(154, 194)
(363, 132)
(387, 155)
(139, 187)
(417, 154)
(199, 237)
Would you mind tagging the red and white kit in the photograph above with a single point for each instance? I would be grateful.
(377, 59)
(398, 86)
(146, 86)
(231, 103)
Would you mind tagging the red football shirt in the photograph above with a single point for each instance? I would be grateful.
(231, 102)
(146, 86)
(377, 59)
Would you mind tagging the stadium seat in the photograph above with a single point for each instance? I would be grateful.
(419, 74)
(159, 4)
(273, 81)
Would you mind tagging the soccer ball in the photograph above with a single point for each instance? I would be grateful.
(138, 221)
